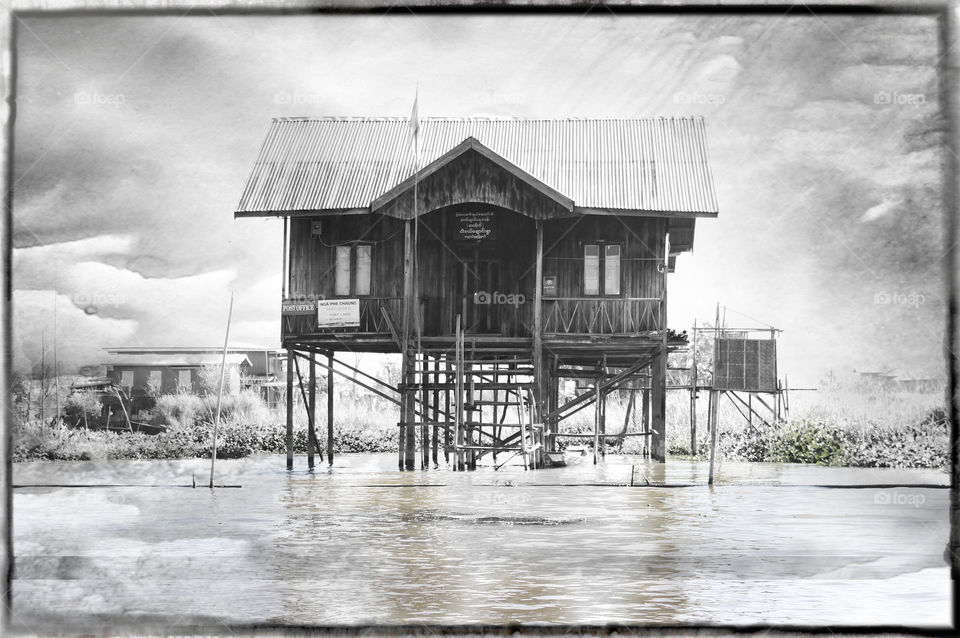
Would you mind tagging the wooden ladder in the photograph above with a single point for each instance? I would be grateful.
(477, 434)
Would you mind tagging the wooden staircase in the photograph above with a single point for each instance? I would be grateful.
(494, 411)
(488, 407)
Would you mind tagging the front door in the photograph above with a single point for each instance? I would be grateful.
(478, 281)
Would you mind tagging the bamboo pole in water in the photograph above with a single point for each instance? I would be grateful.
(713, 432)
(714, 400)
(223, 368)
(330, 408)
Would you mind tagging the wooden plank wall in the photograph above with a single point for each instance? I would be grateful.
(473, 178)
(642, 241)
(312, 259)
(441, 258)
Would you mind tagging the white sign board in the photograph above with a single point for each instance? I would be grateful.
(338, 313)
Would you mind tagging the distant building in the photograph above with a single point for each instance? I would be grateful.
(925, 385)
(902, 383)
(878, 379)
(142, 371)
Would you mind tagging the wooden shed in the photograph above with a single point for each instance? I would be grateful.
(495, 255)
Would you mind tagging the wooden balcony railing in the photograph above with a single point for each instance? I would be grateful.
(372, 319)
(601, 315)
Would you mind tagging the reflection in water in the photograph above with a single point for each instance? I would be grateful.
(363, 543)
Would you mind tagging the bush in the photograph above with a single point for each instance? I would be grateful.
(808, 442)
(82, 408)
(176, 411)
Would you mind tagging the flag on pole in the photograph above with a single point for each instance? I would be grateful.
(414, 116)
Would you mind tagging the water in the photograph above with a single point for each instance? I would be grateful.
(363, 543)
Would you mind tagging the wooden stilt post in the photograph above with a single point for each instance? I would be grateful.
(425, 409)
(627, 413)
(458, 400)
(447, 431)
(289, 439)
(540, 377)
(603, 426)
(330, 408)
(312, 394)
(658, 407)
(645, 416)
(658, 384)
(693, 394)
(598, 402)
(436, 411)
(406, 378)
(709, 411)
(551, 427)
(496, 429)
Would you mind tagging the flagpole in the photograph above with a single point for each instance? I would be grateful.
(416, 220)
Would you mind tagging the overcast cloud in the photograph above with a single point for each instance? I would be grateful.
(134, 137)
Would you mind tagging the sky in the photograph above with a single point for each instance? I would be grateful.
(134, 137)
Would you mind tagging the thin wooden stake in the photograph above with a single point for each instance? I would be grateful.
(330, 408)
(223, 369)
(713, 432)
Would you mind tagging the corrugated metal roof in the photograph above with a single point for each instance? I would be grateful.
(181, 359)
(650, 164)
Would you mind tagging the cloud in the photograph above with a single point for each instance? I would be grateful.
(79, 336)
(879, 210)
(133, 198)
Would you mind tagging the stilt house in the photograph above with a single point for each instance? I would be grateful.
(495, 255)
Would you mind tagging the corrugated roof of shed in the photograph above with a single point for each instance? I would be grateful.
(338, 163)
(175, 360)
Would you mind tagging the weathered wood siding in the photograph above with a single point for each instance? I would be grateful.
(474, 179)
(312, 258)
(443, 257)
(637, 307)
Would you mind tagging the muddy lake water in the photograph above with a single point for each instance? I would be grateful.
(361, 543)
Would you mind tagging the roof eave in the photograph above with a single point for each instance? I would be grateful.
(638, 212)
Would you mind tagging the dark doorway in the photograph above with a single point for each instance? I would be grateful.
(478, 282)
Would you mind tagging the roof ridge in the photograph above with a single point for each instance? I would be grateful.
(478, 118)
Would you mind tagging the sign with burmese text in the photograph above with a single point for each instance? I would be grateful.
(338, 313)
(476, 225)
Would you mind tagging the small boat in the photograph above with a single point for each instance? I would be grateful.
(572, 455)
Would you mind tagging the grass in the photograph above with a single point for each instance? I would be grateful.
(873, 428)
(859, 427)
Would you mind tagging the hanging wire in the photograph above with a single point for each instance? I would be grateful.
(725, 308)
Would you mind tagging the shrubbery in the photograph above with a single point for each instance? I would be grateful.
(924, 444)
(247, 427)
(884, 433)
